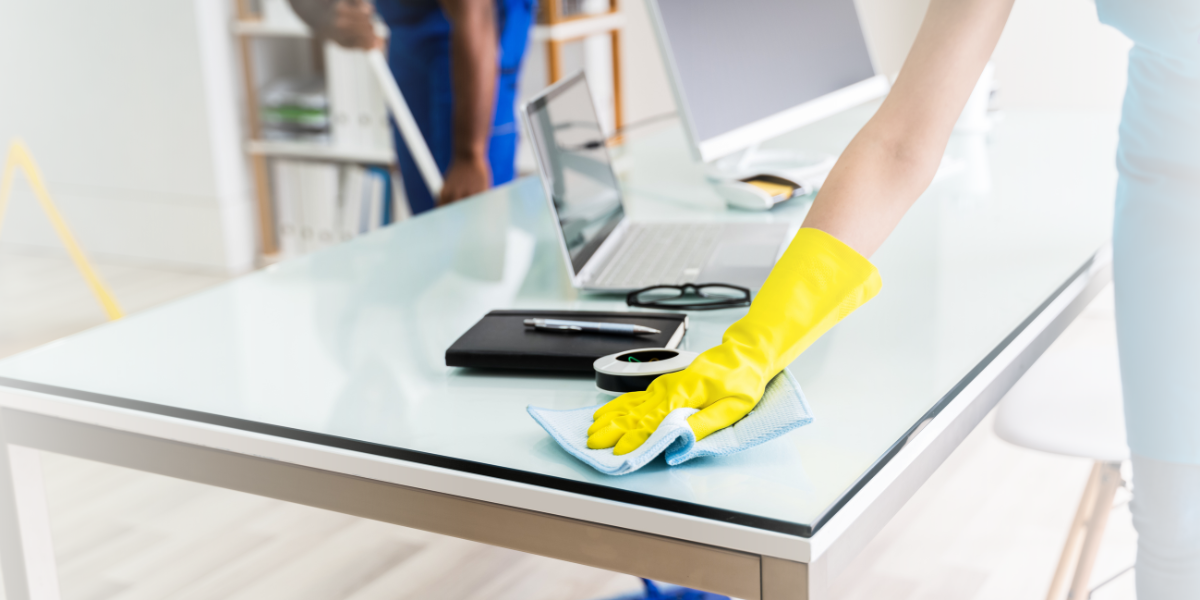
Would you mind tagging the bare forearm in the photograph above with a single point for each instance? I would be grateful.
(893, 159)
(473, 61)
(870, 188)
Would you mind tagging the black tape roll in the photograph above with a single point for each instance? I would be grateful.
(618, 384)
(634, 370)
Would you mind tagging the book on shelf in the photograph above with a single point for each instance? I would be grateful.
(351, 217)
(400, 208)
(320, 204)
(374, 199)
(287, 215)
(342, 107)
(295, 108)
(573, 8)
(359, 117)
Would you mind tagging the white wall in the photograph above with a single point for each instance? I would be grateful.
(131, 109)
(1056, 54)
(891, 26)
(647, 92)
(1053, 54)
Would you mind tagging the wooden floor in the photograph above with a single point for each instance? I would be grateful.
(989, 525)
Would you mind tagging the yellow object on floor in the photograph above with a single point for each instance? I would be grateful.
(817, 282)
(18, 156)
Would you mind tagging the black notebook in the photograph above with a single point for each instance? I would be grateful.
(500, 340)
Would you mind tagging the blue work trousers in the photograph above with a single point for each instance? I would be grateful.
(419, 55)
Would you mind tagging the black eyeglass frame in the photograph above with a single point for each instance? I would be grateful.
(695, 288)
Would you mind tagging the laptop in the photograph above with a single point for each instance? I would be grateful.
(606, 252)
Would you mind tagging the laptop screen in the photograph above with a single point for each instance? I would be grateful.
(573, 159)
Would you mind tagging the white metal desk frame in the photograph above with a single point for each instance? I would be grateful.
(740, 561)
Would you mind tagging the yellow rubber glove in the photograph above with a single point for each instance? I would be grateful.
(818, 281)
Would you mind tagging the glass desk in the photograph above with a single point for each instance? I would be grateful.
(343, 349)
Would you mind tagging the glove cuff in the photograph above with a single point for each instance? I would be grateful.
(816, 283)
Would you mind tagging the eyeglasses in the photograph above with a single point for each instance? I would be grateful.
(701, 296)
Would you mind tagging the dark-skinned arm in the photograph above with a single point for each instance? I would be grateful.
(474, 62)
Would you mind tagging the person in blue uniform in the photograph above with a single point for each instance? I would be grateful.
(458, 63)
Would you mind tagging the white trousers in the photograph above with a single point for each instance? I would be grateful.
(1166, 514)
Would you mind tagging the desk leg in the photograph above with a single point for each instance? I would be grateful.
(26, 546)
(787, 580)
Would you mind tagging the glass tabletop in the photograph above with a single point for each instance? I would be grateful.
(345, 347)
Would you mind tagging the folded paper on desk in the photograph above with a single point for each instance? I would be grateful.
(782, 409)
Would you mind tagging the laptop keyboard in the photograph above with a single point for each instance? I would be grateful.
(660, 254)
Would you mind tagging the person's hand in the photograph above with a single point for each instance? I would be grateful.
(349, 23)
(724, 383)
(817, 282)
(353, 25)
(465, 177)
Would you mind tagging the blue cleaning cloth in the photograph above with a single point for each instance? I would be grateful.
(781, 410)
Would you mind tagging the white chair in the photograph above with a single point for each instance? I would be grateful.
(1069, 403)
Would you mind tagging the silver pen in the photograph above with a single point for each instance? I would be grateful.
(589, 327)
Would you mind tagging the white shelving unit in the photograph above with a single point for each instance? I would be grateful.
(259, 28)
(579, 28)
(316, 151)
(556, 29)
(266, 47)
(306, 150)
